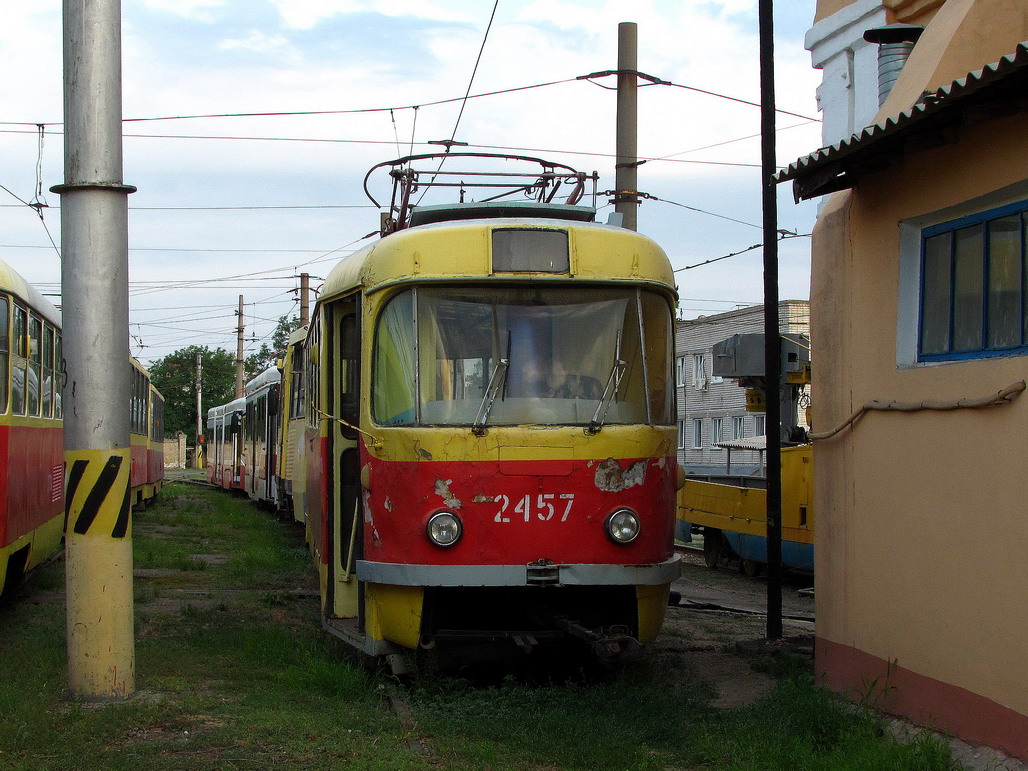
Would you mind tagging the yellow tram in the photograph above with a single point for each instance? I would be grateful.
(489, 427)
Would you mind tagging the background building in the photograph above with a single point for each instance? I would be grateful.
(712, 410)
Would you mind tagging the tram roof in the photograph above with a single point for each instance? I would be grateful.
(12, 282)
(268, 376)
(460, 250)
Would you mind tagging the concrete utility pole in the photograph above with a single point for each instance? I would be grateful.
(626, 168)
(239, 350)
(305, 306)
(98, 386)
(198, 452)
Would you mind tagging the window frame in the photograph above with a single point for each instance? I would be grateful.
(951, 226)
(697, 433)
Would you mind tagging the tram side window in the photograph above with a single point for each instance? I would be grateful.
(349, 376)
(658, 336)
(313, 382)
(296, 400)
(48, 371)
(35, 373)
(19, 361)
(5, 350)
(59, 374)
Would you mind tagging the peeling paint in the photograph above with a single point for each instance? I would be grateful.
(661, 461)
(424, 454)
(442, 489)
(611, 478)
(367, 507)
(376, 539)
(483, 498)
(388, 505)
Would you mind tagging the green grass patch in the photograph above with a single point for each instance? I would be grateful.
(233, 670)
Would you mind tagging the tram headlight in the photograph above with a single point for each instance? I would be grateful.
(623, 526)
(444, 528)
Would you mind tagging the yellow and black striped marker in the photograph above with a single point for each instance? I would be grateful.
(97, 499)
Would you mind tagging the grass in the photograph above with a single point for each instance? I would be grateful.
(234, 671)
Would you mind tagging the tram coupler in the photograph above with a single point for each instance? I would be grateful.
(606, 644)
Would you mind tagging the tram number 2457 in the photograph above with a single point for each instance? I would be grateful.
(545, 507)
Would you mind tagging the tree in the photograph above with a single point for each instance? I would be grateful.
(266, 356)
(175, 377)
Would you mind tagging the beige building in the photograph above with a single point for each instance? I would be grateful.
(919, 300)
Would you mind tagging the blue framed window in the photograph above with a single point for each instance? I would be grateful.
(974, 286)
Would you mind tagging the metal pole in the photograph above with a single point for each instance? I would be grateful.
(626, 202)
(305, 306)
(772, 335)
(98, 384)
(198, 453)
(239, 350)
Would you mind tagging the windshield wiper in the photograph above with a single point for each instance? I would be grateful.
(617, 371)
(497, 380)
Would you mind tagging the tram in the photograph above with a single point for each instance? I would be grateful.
(31, 439)
(489, 422)
(31, 431)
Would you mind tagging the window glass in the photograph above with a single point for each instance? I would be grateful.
(48, 371)
(969, 266)
(697, 433)
(717, 426)
(530, 250)
(349, 372)
(1005, 282)
(58, 375)
(935, 313)
(19, 360)
(5, 351)
(738, 427)
(525, 355)
(35, 373)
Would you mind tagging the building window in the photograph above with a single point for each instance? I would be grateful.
(681, 433)
(758, 425)
(697, 433)
(738, 427)
(974, 286)
(699, 372)
(680, 369)
(717, 432)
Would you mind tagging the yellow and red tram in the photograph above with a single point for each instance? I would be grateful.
(31, 439)
(490, 441)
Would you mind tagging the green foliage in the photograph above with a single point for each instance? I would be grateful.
(175, 377)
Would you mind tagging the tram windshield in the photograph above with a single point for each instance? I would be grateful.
(480, 356)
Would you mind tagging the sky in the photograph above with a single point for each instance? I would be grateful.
(230, 206)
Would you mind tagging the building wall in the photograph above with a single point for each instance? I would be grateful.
(717, 398)
(175, 451)
(922, 531)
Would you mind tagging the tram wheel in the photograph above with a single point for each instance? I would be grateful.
(751, 568)
(711, 546)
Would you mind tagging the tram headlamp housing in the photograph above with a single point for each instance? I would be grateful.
(623, 526)
(444, 528)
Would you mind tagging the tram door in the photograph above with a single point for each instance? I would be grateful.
(346, 520)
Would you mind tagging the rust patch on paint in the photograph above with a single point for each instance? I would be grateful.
(442, 489)
(611, 478)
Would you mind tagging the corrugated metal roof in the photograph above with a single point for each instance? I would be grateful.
(1003, 85)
